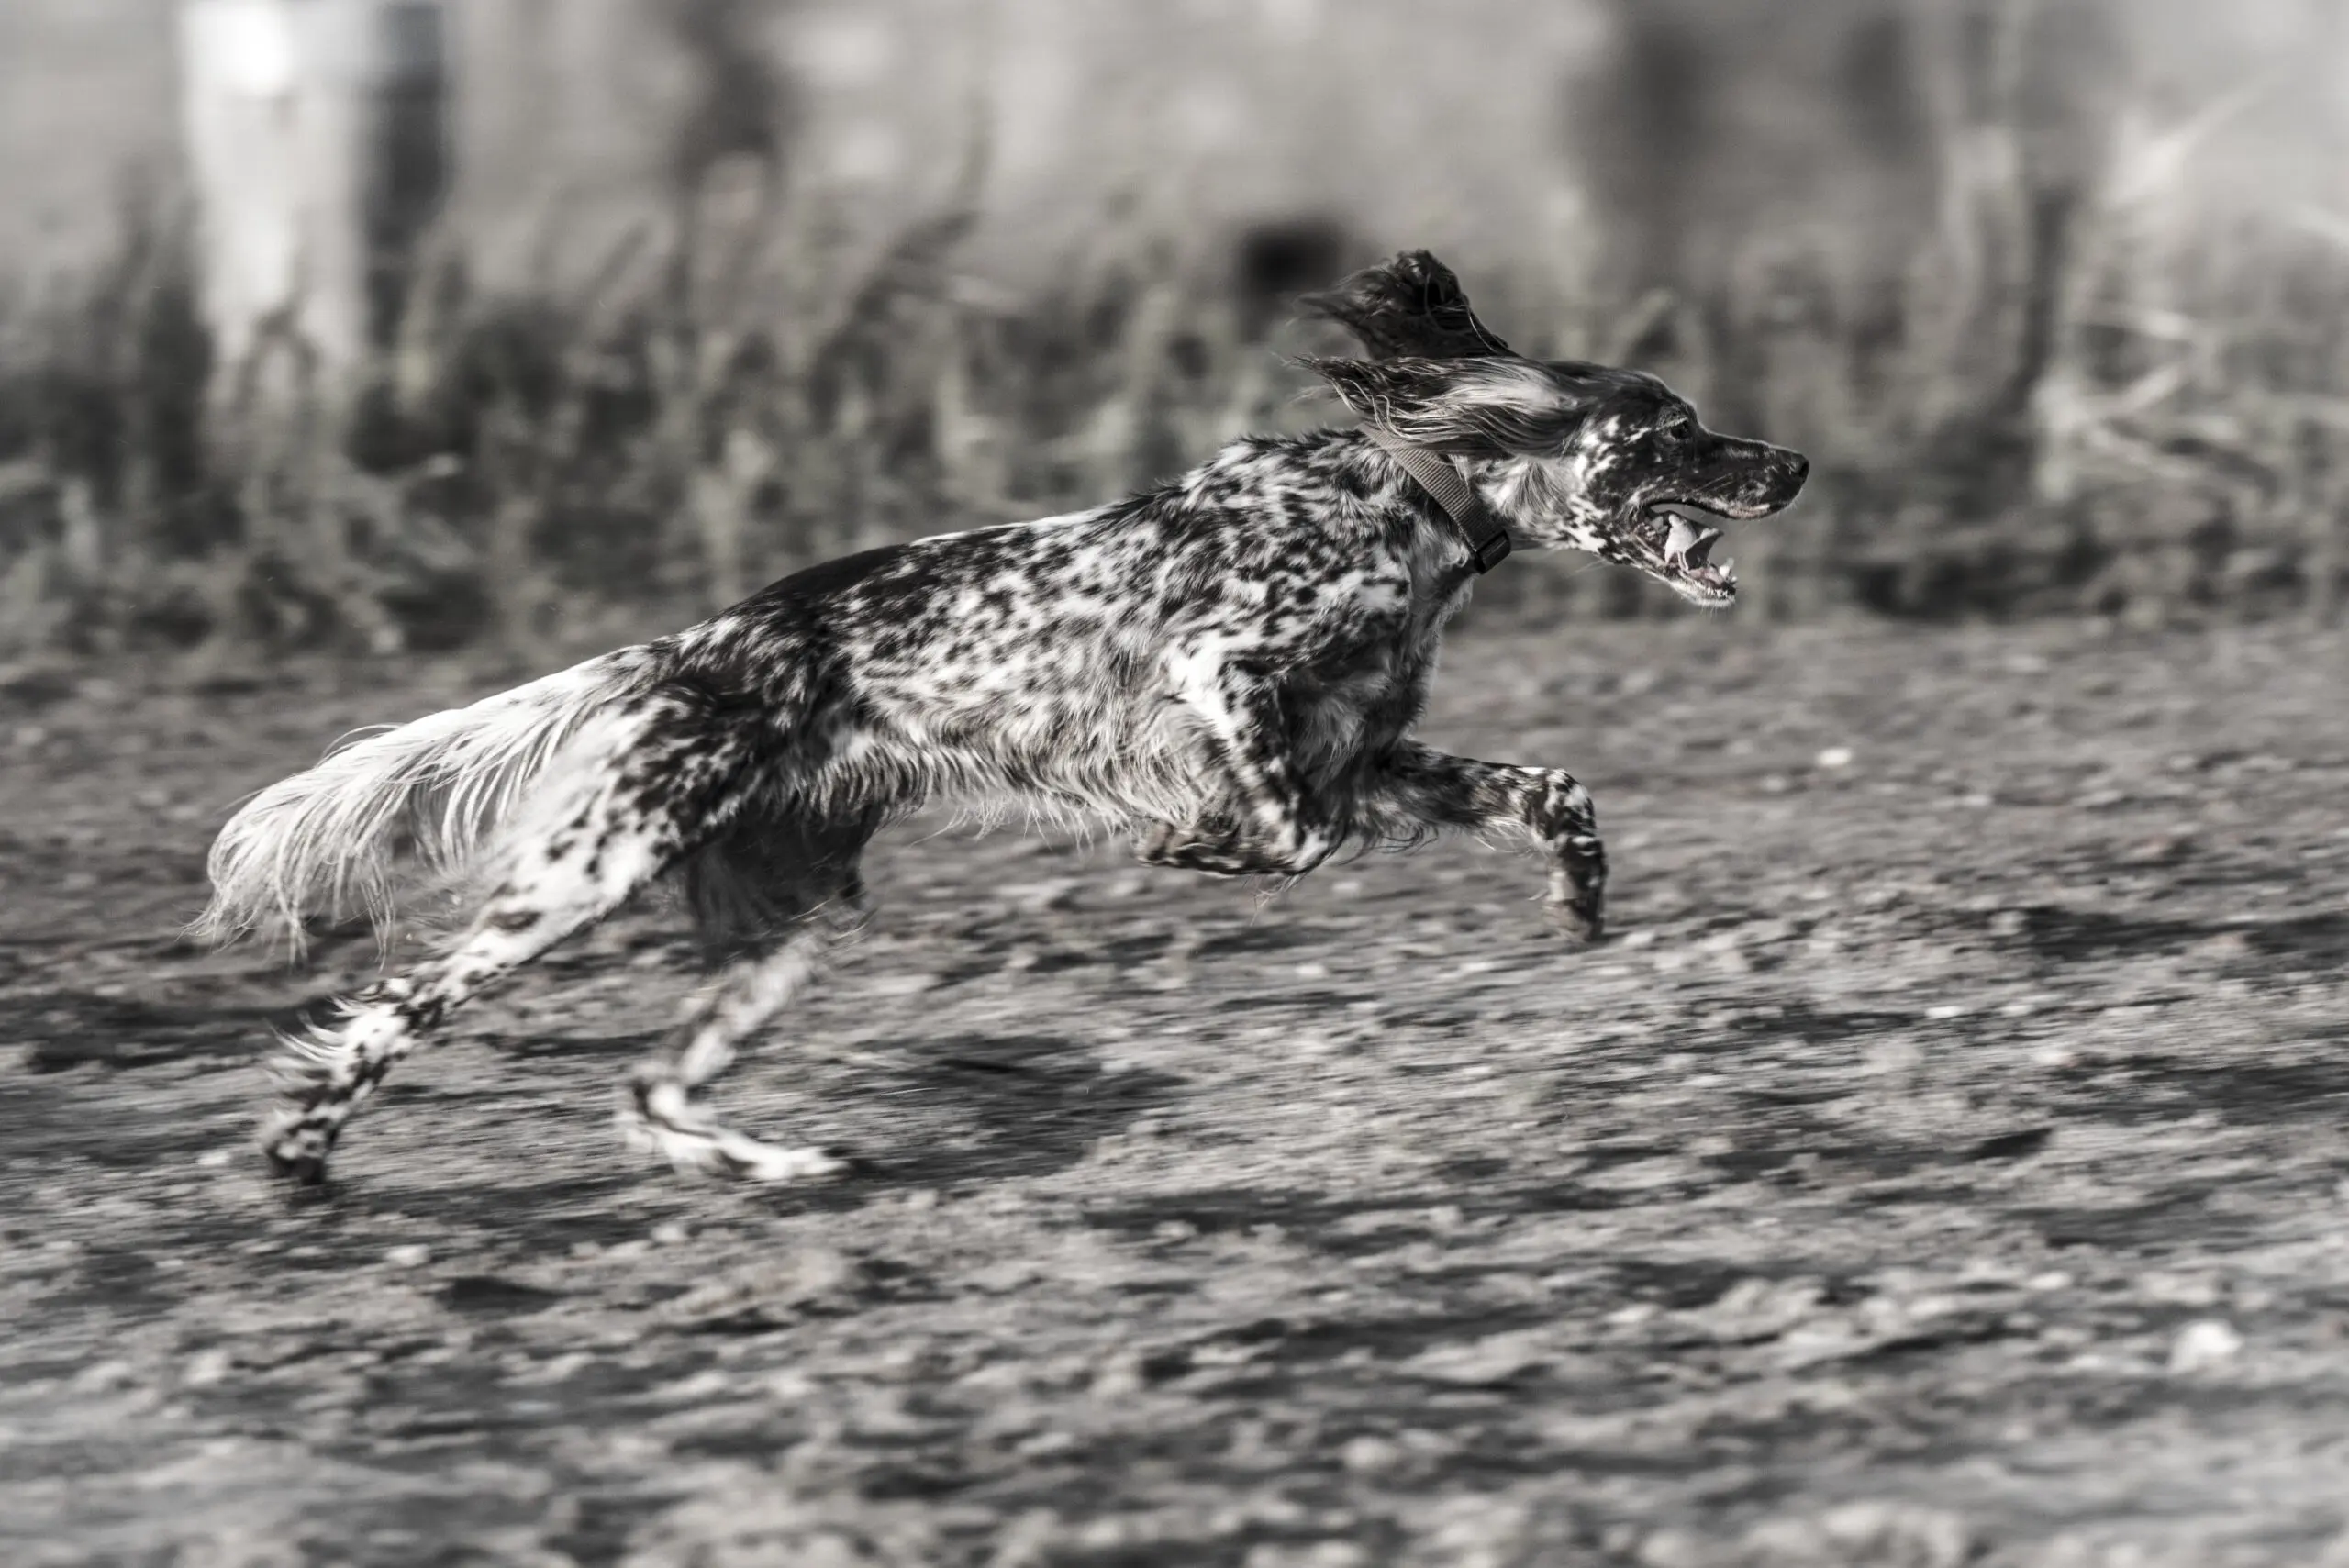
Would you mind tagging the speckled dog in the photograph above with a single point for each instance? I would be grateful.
(1229, 666)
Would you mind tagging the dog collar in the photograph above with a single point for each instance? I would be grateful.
(1441, 477)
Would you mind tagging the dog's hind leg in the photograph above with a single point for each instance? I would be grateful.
(639, 791)
(773, 905)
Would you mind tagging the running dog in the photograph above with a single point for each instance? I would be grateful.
(1228, 667)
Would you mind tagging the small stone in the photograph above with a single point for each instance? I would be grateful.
(1121, 1378)
(1903, 1533)
(101, 1375)
(408, 1255)
(2202, 1344)
(907, 984)
(1835, 757)
(1370, 1455)
(1037, 897)
(1671, 1548)
(1894, 1056)
(1318, 1554)
(2181, 1289)
(1484, 1363)
(2162, 848)
(670, 1233)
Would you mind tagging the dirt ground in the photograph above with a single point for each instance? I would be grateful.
(1943, 1163)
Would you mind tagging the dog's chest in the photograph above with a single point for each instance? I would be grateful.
(1363, 698)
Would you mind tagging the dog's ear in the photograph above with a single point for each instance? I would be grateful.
(1475, 407)
(1409, 307)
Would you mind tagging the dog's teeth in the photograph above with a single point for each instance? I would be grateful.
(1724, 565)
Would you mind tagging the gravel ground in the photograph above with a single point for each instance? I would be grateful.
(1943, 1163)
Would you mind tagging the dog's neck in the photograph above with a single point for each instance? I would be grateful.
(1485, 534)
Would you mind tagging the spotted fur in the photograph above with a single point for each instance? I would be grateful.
(1228, 667)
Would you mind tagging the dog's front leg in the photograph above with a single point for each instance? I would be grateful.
(1416, 787)
(1273, 827)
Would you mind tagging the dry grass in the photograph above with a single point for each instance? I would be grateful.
(2093, 400)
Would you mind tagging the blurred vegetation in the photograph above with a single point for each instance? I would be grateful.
(2082, 399)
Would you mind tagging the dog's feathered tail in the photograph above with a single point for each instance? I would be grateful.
(322, 841)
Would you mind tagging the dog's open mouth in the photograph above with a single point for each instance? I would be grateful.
(1678, 549)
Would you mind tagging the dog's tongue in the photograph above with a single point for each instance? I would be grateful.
(1685, 536)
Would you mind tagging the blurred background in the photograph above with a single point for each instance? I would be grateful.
(399, 324)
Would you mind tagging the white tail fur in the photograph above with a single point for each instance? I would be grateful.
(322, 840)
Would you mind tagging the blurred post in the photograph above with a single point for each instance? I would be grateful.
(317, 137)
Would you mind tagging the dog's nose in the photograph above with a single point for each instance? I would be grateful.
(1797, 469)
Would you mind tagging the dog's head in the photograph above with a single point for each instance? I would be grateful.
(1571, 455)
(1579, 456)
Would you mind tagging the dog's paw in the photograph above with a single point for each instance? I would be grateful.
(1157, 847)
(1219, 851)
(771, 1166)
(655, 1120)
(295, 1148)
(1198, 848)
(1577, 923)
